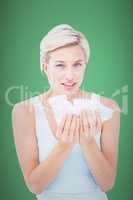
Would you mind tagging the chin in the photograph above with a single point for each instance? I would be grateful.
(62, 90)
(70, 92)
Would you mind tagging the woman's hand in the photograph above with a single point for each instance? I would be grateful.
(68, 130)
(90, 124)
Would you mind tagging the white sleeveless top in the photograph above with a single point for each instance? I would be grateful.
(75, 180)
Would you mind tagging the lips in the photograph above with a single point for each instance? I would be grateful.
(68, 84)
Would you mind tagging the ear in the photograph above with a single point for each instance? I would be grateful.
(45, 67)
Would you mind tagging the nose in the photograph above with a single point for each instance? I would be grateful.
(69, 75)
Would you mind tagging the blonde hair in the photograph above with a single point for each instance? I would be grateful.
(60, 36)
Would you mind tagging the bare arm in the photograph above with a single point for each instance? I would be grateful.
(103, 163)
(36, 175)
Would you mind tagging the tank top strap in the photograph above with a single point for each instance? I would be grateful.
(40, 121)
(38, 108)
(35, 101)
(117, 108)
(95, 97)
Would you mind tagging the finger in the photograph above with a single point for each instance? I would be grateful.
(85, 123)
(93, 117)
(77, 130)
(91, 123)
(67, 127)
(81, 124)
(94, 122)
(60, 128)
(72, 128)
(99, 122)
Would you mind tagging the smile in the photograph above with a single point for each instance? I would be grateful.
(69, 85)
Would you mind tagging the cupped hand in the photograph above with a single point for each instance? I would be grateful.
(68, 130)
(90, 125)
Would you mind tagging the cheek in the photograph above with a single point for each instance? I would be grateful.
(57, 77)
(79, 74)
(52, 74)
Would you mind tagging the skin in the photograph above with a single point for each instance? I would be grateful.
(66, 65)
(72, 129)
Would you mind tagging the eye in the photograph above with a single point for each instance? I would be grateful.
(77, 64)
(59, 65)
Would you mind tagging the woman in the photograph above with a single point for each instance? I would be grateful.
(75, 158)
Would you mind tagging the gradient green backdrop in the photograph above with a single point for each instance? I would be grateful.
(108, 27)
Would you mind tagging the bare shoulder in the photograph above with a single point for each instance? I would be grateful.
(24, 132)
(26, 107)
(23, 108)
(108, 102)
(111, 103)
(113, 124)
(23, 116)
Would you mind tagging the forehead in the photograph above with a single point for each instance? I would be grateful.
(68, 54)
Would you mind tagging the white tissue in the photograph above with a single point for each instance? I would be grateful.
(62, 106)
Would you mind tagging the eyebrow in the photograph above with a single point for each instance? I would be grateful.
(79, 60)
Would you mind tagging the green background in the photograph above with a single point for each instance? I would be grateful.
(108, 27)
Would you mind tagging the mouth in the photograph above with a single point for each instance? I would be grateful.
(68, 85)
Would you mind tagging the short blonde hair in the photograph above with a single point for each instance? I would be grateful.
(60, 36)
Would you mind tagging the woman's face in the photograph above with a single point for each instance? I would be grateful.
(65, 69)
